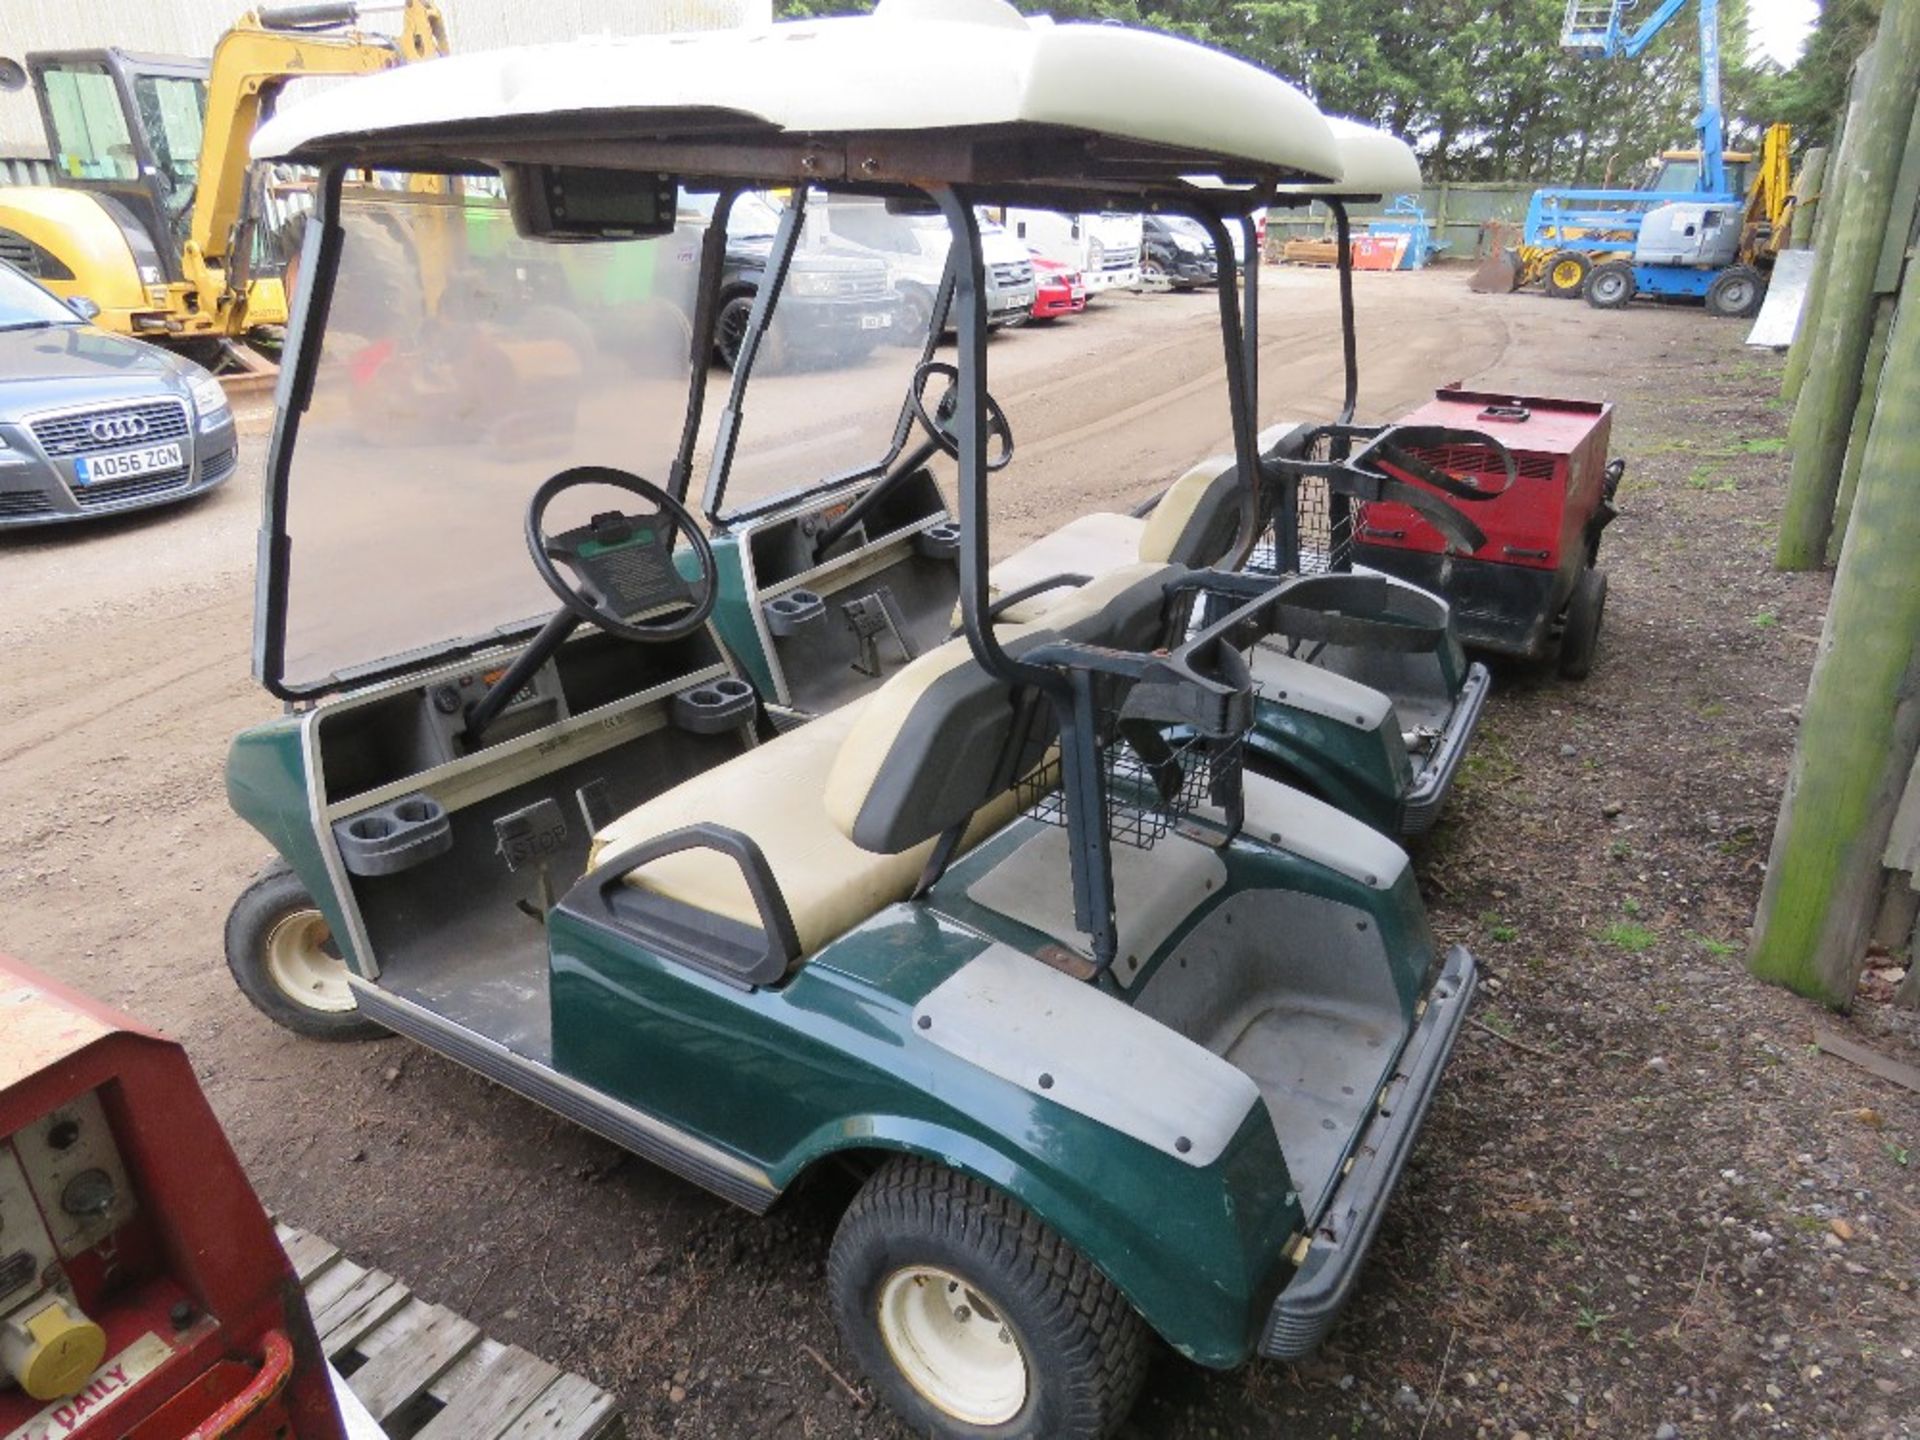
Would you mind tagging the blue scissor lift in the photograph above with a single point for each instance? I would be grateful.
(1606, 222)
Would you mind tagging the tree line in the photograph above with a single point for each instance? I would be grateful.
(1482, 88)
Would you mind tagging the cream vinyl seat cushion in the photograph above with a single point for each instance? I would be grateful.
(772, 794)
(803, 794)
(1194, 524)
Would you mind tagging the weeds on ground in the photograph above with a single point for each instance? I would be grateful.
(1630, 936)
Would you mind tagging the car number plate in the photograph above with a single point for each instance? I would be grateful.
(876, 320)
(125, 464)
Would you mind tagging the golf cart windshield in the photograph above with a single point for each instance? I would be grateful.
(462, 365)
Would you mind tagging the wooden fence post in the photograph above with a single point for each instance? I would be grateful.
(1824, 414)
(1860, 726)
(1862, 426)
(1806, 200)
(1839, 166)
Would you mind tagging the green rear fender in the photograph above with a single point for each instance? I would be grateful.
(1199, 1254)
(1366, 772)
(830, 1063)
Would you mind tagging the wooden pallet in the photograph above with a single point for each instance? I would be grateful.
(423, 1373)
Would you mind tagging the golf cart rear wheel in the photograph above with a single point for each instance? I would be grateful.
(1567, 272)
(973, 1319)
(281, 952)
(1580, 633)
(1736, 293)
(1611, 286)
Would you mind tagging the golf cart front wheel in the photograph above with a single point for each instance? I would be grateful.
(1611, 286)
(283, 957)
(973, 1319)
(1580, 634)
(1567, 272)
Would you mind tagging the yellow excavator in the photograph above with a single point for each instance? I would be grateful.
(151, 216)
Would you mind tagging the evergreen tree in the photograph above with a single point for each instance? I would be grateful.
(1482, 88)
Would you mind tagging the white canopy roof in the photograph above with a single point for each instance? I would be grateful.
(976, 67)
(1372, 162)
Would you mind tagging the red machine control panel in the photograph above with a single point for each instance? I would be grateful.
(142, 1290)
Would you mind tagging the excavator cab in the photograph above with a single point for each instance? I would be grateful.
(153, 216)
(128, 128)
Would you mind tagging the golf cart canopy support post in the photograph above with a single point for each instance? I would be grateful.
(779, 260)
(713, 258)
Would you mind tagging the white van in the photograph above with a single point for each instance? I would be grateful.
(1104, 247)
(915, 248)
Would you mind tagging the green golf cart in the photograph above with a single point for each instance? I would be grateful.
(1128, 1039)
(1365, 697)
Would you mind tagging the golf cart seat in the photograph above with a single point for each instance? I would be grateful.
(1193, 525)
(846, 808)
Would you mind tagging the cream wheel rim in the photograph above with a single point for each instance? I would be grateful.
(952, 1345)
(301, 968)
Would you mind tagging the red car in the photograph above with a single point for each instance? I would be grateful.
(1057, 289)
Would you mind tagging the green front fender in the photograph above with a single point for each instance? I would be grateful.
(1200, 1256)
(733, 613)
(269, 787)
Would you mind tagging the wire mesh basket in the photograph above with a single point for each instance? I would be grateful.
(1323, 524)
(1152, 777)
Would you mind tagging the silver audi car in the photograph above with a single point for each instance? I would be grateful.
(94, 424)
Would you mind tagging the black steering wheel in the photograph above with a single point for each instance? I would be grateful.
(624, 562)
(935, 424)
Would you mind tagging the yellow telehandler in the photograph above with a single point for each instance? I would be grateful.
(151, 217)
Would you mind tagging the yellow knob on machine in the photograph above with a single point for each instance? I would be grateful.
(51, 1350)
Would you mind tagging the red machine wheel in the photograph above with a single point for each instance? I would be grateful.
(1580, 633)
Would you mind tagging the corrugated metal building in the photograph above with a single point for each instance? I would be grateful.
(190, 27)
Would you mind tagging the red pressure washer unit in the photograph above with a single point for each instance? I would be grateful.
(1533, 588)
(143, 1293)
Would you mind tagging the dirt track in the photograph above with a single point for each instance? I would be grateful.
(125, 646)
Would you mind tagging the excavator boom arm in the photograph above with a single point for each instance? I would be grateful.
(253, 61)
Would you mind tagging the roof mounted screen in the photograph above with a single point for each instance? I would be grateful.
(574, 202)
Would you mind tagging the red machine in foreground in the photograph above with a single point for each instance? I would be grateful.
(1534, 588)
(142, 1291)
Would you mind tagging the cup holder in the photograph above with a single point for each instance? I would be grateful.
(787, 613)
(939, 542)
(395, 836)
(717, 706)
